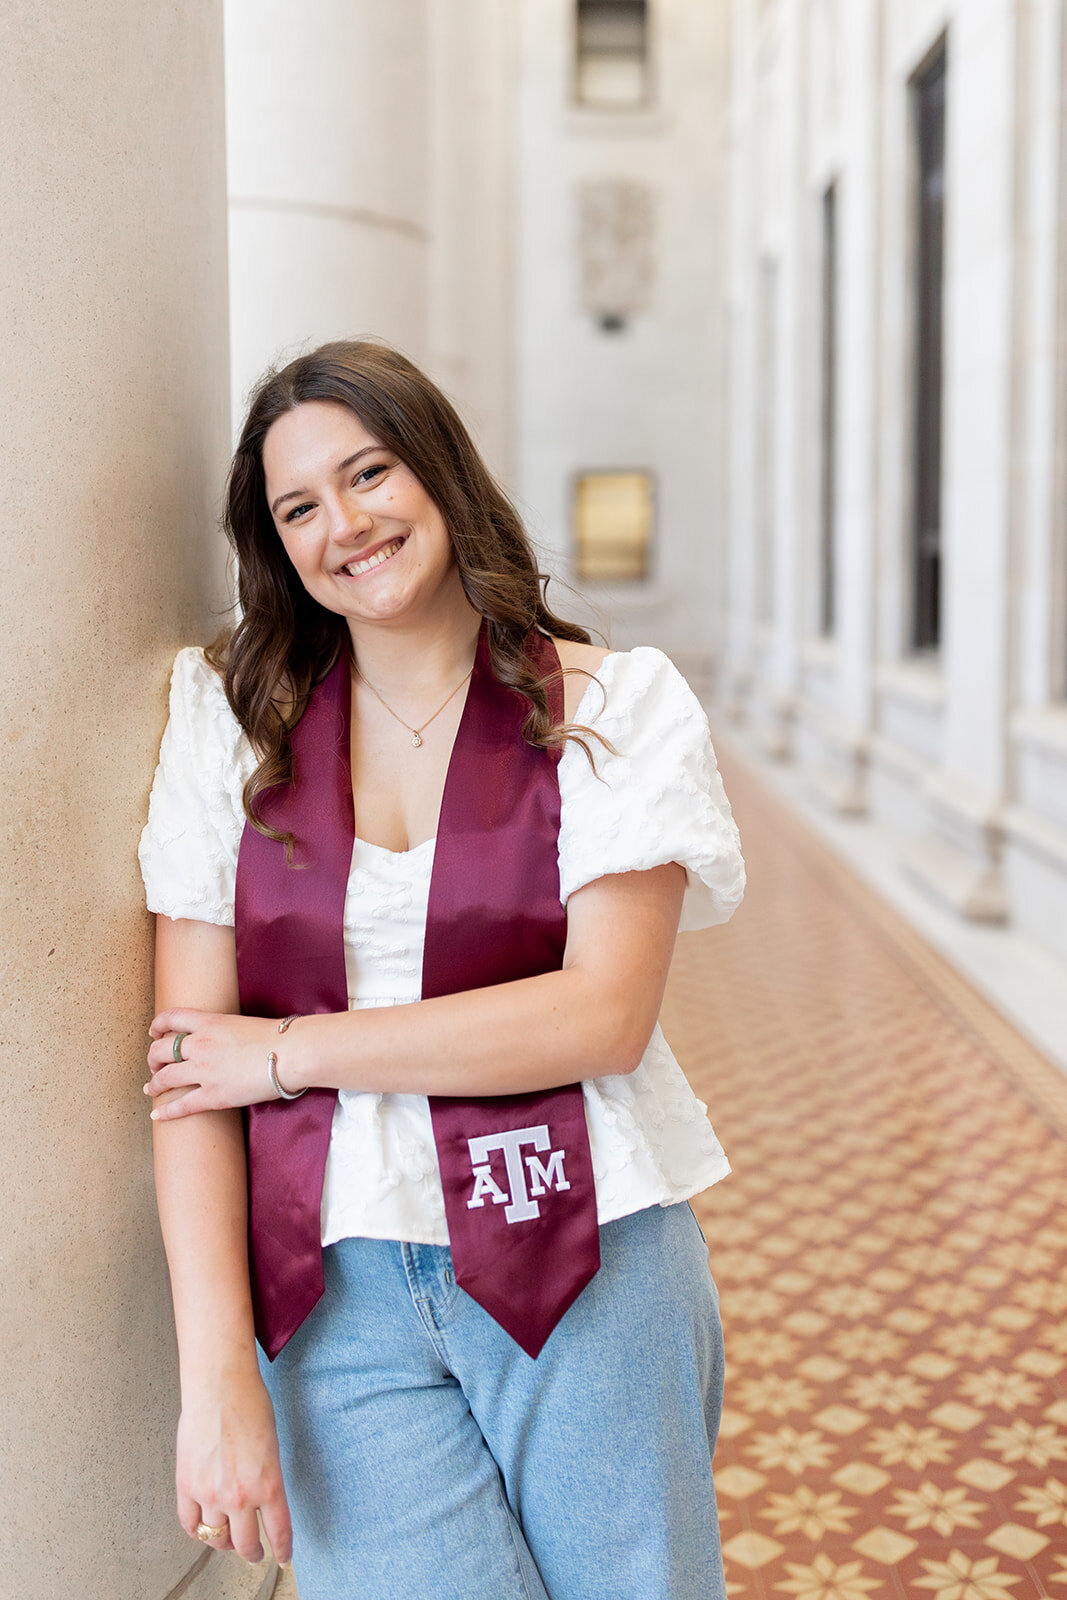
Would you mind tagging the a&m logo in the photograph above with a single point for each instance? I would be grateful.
(521, 1203)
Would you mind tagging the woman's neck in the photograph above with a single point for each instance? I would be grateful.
(412, 659)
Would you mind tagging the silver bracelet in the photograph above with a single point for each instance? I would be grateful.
(272, 1074)
(272, 1067)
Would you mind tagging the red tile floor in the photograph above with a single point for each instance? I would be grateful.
(891, 1248)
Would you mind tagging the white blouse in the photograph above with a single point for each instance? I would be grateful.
(655, 797)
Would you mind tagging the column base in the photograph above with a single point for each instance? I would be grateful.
(959, 860)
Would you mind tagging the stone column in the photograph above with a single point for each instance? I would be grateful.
(471, 174)
(328, 115)
(980, 250)
(739, 623)
(113, 372)
(1035, 846)
(959, 860)
(858, 377)
(794, 436)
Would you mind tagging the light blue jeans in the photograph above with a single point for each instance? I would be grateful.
(427, 1457)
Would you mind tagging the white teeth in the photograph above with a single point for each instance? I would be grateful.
(354, 567)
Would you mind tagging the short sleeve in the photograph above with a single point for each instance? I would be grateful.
(188, 850)
(655, 796)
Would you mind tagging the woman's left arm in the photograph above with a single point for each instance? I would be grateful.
(593, 1017)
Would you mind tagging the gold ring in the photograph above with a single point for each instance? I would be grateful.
(205, 1532)
(176, 1047)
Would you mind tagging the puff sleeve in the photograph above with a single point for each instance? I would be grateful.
(188, 850)
(656, 796)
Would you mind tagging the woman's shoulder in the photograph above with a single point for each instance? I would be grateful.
(580, 663)
(193, 672)
(199, 708)
(623, 684)
(189, 846)
(645, 787)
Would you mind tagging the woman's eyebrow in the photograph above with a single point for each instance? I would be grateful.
(293, 494)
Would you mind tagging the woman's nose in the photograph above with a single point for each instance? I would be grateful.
(348, 522)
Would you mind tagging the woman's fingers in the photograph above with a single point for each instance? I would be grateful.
(183, 1019)
(161, 1053)
(211, 1517)
(191, 1516)
(244, 1534)
(188, 1513)
(184, 1104)
(278, 1527)
(164, 1078)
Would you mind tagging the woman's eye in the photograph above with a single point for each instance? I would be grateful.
(368, 474)
(297, 511)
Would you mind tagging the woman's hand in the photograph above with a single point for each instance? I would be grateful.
(224, 1061)
(228, 1469)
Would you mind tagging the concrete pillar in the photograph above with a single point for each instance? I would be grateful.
(328, 118)
(113, 372)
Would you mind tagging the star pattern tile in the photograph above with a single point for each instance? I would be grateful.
(890, 1250)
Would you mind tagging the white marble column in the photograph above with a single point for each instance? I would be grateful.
(471, 172)
(114, 376)
(980, 250)
(328, 114)
(795, 436)
(1035, 856)
(959, 857)
(857, 375)
(739, 624)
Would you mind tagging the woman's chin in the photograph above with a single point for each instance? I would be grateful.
(398, 606)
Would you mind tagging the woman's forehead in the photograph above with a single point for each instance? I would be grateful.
(313, 437)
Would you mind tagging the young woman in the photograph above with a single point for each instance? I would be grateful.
(419, 852)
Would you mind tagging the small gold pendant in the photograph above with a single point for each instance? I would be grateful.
(416, 739)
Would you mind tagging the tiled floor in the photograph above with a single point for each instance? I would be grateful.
(891, 1249)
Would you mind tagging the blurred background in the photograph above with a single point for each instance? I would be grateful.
(757, 310)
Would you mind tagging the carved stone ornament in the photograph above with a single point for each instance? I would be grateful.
(615, 247)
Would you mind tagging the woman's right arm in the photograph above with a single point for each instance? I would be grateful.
(228, 1465)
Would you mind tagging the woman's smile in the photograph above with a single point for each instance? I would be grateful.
(357, 566)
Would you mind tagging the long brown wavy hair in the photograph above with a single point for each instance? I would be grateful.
(285, 642)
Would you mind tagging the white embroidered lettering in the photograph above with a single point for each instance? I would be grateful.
(547, 1177)
(521, 1207)
(485, 1184)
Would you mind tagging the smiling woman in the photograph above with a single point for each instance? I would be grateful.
(364, 509)
(419, 852)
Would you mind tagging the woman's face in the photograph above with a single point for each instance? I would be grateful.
(366, 539)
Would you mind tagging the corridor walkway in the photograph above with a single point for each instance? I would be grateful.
(891, 1249)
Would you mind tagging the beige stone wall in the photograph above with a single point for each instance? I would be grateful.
(113, 373)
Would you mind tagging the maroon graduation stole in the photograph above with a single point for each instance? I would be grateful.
(516, 1169)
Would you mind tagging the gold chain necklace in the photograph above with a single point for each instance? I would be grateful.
(416, 733)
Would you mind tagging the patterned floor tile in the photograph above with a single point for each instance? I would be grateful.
(891, 1249)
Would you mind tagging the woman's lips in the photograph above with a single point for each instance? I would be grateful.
(385, 552)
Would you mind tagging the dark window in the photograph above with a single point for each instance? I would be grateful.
(612, 64)
(928, 123)
(828, 411)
